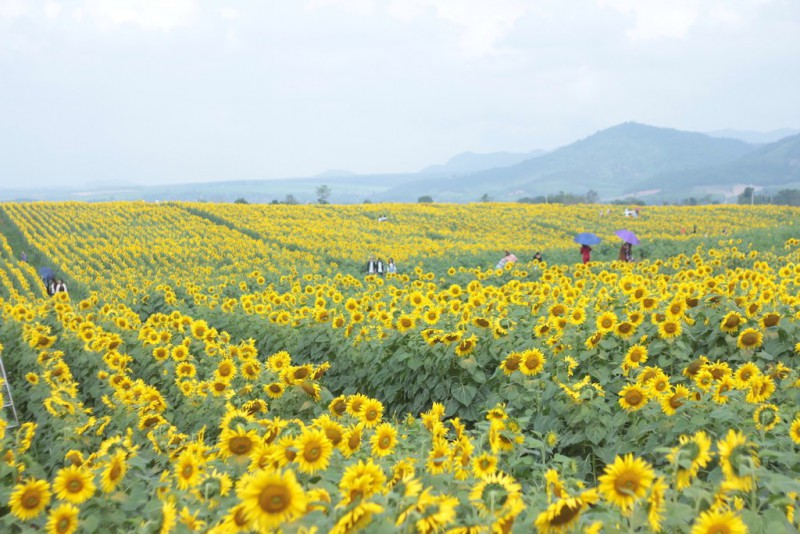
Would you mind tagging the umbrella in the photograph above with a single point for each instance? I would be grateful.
(627, 236)
(46, 273)
(586, 238)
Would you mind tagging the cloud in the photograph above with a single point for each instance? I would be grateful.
(358, 7)
(11, 9)
(656, 18)
(51, 9)
(229, 13)
(149, 15)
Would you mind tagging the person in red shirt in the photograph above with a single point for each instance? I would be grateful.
(586, 253)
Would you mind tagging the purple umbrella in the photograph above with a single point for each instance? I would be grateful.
(627, 236)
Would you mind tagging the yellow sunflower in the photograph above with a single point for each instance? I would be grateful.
(533, 361)
(669, 329)
(730, 323)
(749, 339)
(271, 499)
(188, 469)
(74, 484)
(632, 397)
(361, 481)
(606, 322)
(114, 472)
(719, 521)
(313, 450)
(696, 450)
(766, 417)
(625, 481)
(63, 519)
(636, 356)
(29, 499)
(738, 459)
(383, 440)
(371, 412)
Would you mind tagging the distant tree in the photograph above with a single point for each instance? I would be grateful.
(746, 196)
(367, 201)
(787, 197)
(592, 197)
(275, 201)
(240, 200)
(290, 199)
(425, 199)
(323, 192)
(532, 200)
(486, 198)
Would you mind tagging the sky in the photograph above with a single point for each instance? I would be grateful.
(172, 91)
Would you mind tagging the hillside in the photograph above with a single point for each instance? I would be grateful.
(611, 161)
(470, 162)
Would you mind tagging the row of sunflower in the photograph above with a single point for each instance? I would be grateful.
(565, 348)
(274, 450)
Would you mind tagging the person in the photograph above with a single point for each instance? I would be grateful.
(379, 267)
(508, 258)
(586, 253)
(372, 265)
(625, 252)
(60, 287)
(24, 256)
(391, 267)
(538, 257)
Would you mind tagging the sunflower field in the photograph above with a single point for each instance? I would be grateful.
(232, 368)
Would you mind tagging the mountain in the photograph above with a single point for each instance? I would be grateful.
(774, 165)
(470, 162)
(334, 173)
(756, 138)
(611, 162)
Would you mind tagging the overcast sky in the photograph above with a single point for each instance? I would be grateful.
(160, 91)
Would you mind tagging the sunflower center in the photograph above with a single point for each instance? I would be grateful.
(384, 442)
(74, 486)
(634, 398)
(63, 524)
(240, 445)
(312, 454)
(676, 401)
(372, 415)
(732, 322)
(749, 339)
(187, 471)
(565, 515)
(239, 518)
(273, 498)
(31, 499)
(513, 363)
(626, 484)
(770, 320)
(115, 472)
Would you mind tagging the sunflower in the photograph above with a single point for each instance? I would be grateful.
(533, 361)
(606, 322)
(656, 504)
(745, 373)
(561, 515)
(719, 521)
(238, 442)
(333, 430)
(74, 484)
(749, 339)
(313, 450)
(674, 400)
(625, 330)
(511, 363)
(794, 430)
(383, 440)
(632, 397)
(188, 469)
(361, 481)
(271, 499)
(356, 519)
(730, 323)
(338, 406)
(355, 404)
(114, 472)
(179, 353)
(636, 356)
(498, 495)
(669, 329)
(625, 481)
(466, 346)
(62, 519)
(738, 459)
(234, 521)
(439, 457)
(405, 323)
(769, 320)
(760, 388)
(29, 499)
(766, 417)
(691, 455)
(275, 389)
(371, 412)
(199, 329)
(351, 441)
(484, 465)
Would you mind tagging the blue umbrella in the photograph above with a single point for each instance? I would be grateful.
(586, 238)
(46, 273)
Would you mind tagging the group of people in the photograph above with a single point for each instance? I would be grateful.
(54, 286)
(625, 253)
(377, 266)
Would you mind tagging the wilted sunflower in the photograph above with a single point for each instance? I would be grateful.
(271, 499)
(625, 481)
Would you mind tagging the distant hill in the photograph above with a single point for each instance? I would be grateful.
(470, 162)
(611, 161)
(756, 138)
(775, 164)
